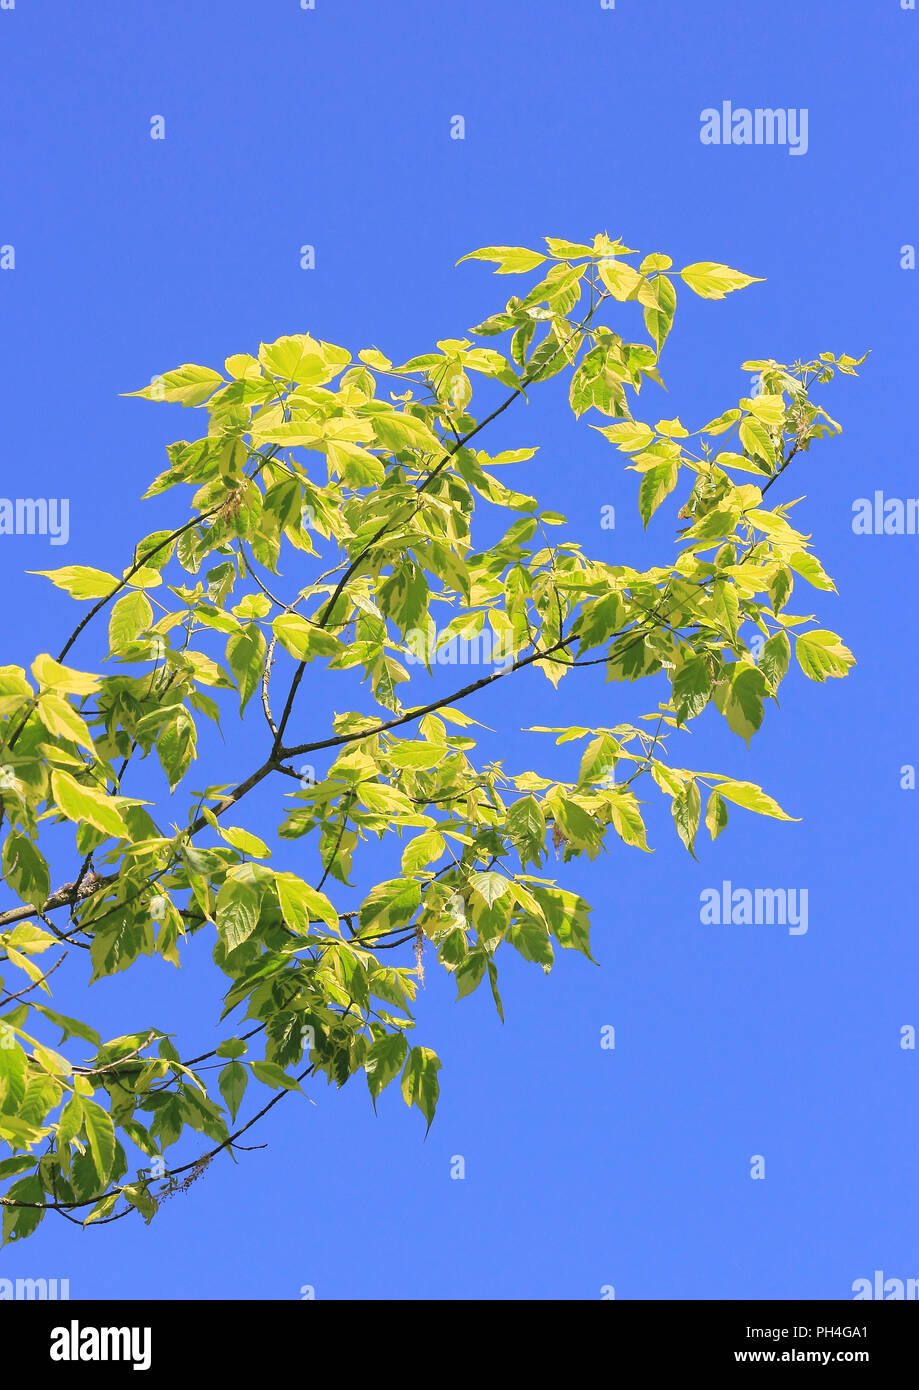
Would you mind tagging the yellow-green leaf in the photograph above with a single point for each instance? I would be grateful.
(82, 803)
(753, 798)
(512, 260)
(50, 674)
(821, 654)
(714, 281)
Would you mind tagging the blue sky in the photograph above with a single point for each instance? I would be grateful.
(330, 127)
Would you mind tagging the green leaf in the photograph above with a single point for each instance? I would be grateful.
(62, 721)
(780, 587)
(716, 815)
(114, 948)
(15, 690)
(774, 658)
(659, 319)
(357, 466)
(626, 818)
(599, 620)
(270, 1074)
(727, 459)
(390, 905)
(493, 981)
(526, 827)
(692, 688)
(512, 260)
(19, 1133)
(296, 634)
(567, 916)
(425, 849)
(657, 483)
(102, 1209)
(821, 654)
(79, 581)
(810, 568)
(530, 937)
(384, 1062)
(628, 435)
(404, 596)
(140, 1197)
(100, 1133)
(396, 430)
(595, 383)
(375, 359)
(245, 842)
(622, 280)
(743, 702)
(233, 1081)
(13, 1071)
(722, 423)
(301, 904)
(81, 803)
(176, 746)
(297, 357)
(419, 1082)
(567, 250)
(715, 525)
(490, 886)
(70, 1122)
(237, 912)
(714, 281)
(130, 615)
(185, 385)
(470, 973)
(687, 808)
(578, 825)
(753, 798)
(70, 1027)
(598, 758)
(52, 675)
(51, 1062)
(9, 1167)
(755, 439)
(19, 1222)
(25, 869)
(246, 659)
